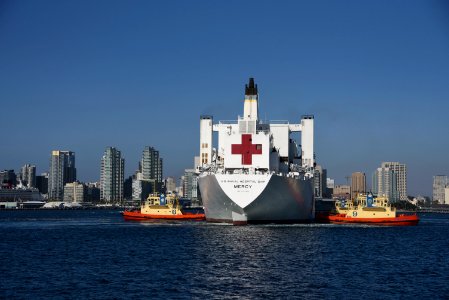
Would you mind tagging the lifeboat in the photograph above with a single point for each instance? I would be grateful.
(162, 207)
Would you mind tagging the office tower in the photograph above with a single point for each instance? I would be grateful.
(28, 175)
(439, 183)
(196, 162)
(92, 192)
(141, 189)
(401, 177)
(170, 184)
(385, 184)
(62, 171)
(137, 186)
(330, 184)
(319, 181)
(190, 188)
(74, 192)
(8, 178)
(358, 184)
(180, 187)
(151, 164)
(42, 183)
(112, 176)
(128, 188)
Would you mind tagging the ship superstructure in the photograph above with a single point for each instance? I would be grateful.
(257, 172)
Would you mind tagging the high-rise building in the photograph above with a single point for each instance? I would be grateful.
(62, 171)
(28, 175)
(74, 192)
(148, 179)
(112, 176)
(319, 181)
(137, 186)
(8, 178)
(330, 184)
(358, 184)
(401, 177)
(190, 186)
(170, 184)
(128, 188)
(42, 183)
(439, 183)
(385, 184)
(92, 192)
(141, 189)
(151, 164)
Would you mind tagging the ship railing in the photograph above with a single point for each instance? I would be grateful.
(235, 122)
(238, 171)
(275, 122)
(228, 122)
(208, 169)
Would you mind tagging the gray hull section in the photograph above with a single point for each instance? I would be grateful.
(284, 200)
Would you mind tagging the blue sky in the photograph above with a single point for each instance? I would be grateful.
(83, 75)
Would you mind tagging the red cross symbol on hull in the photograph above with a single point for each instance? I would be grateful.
(246, 149)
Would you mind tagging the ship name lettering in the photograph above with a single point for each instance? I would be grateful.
(242, 186)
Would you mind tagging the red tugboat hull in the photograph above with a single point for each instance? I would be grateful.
(401, 220)
(137, 216)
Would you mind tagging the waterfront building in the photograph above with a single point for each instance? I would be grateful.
(19, 195)
(62, 171)
(8, 178)
(319, 181)
(128, 188)
(137, 186)
(180, 187)
(141, 188)
(439, 184)
(446, 195)
(151, 164)
(190, 186)
(42, 183)
(358, 184)
(92, 192)
(385, 184)
(148, 178)
(342, 191)
(170, 184)
(112, 176)
(74, 192)
(400, 171)
(330, 184)
(196, 162)
(28, 175)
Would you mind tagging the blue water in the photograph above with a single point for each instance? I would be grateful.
(94, 254)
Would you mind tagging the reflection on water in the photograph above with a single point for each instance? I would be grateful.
(95, 254)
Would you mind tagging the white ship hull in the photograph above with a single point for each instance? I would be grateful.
(242, 199)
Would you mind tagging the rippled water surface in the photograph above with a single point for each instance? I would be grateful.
(94, 254)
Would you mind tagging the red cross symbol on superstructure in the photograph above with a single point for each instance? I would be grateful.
(246, 149)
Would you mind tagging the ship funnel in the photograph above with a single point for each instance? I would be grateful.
(251, 88)
(251, 106)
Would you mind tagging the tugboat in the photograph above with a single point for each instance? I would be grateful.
(161, 206)
(368, 210)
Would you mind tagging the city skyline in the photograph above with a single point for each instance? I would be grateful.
(85, 77)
